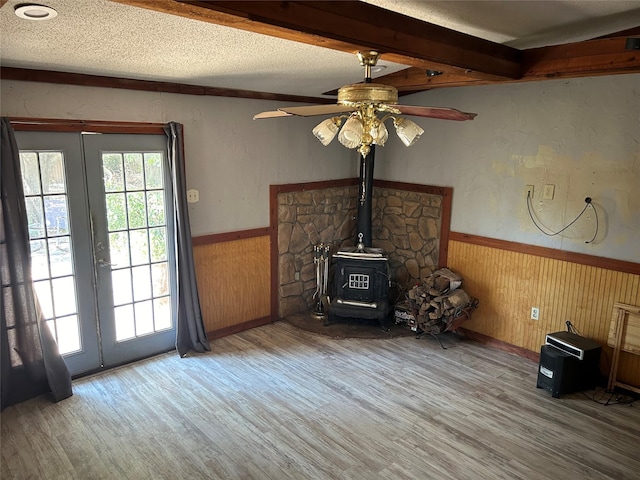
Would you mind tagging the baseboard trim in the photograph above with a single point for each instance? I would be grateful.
(240, 327)
(501, 345)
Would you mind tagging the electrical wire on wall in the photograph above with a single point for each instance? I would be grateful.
(599, 394)
(551, 234)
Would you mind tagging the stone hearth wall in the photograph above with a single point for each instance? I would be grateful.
(306, 219)
(405, 224)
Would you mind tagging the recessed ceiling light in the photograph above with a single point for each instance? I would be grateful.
(32, 11)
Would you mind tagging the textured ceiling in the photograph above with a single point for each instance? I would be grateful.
(524, 23)
(101, 37)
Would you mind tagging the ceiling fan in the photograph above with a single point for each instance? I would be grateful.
(360, 105)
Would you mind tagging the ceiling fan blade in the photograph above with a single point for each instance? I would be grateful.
(435, 112)
(311, 110)
(272, 114)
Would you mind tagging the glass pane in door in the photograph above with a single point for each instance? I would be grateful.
(47, 204)
(137, 231)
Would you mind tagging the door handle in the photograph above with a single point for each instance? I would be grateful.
(103, 263)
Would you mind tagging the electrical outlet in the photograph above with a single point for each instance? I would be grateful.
(193, 196)
(528, 191)
(548, 191)
(535, 313)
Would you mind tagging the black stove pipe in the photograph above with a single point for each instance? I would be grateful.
(363, 229)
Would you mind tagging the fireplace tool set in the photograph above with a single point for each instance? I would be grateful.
(321, 261)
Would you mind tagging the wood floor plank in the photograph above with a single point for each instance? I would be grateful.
(278, 403)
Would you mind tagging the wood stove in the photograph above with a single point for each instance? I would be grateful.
(361, 287)
(361, 278)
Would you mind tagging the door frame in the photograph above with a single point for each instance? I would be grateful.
(56, 125)
(78, 126)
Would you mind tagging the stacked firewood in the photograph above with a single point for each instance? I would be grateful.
(438, 304)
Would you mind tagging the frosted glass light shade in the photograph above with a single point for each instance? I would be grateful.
(382, 135)
(408, 131)
(326, 130)
(351, 134)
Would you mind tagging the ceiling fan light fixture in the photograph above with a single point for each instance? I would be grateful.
(362, 104)
(409, 132)
(351, 133)
(367, 93)
(326, 130)
(382, 135)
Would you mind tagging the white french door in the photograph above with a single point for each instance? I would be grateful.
(100, 225)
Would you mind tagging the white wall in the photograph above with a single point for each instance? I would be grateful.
(581, 135)
(230, 158)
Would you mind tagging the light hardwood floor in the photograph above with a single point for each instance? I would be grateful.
(278, 403)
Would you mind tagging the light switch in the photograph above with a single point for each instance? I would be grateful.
(548, 191)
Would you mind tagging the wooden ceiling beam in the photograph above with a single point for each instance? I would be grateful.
(603, 56)
(350, 26)
(464, 60)
(413, 80)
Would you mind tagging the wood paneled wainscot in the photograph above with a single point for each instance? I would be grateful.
(233, 274)
(510, 278)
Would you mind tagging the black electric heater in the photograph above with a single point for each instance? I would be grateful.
(568, 363)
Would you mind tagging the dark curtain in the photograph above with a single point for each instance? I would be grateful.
(190, 333)
(30, 362)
